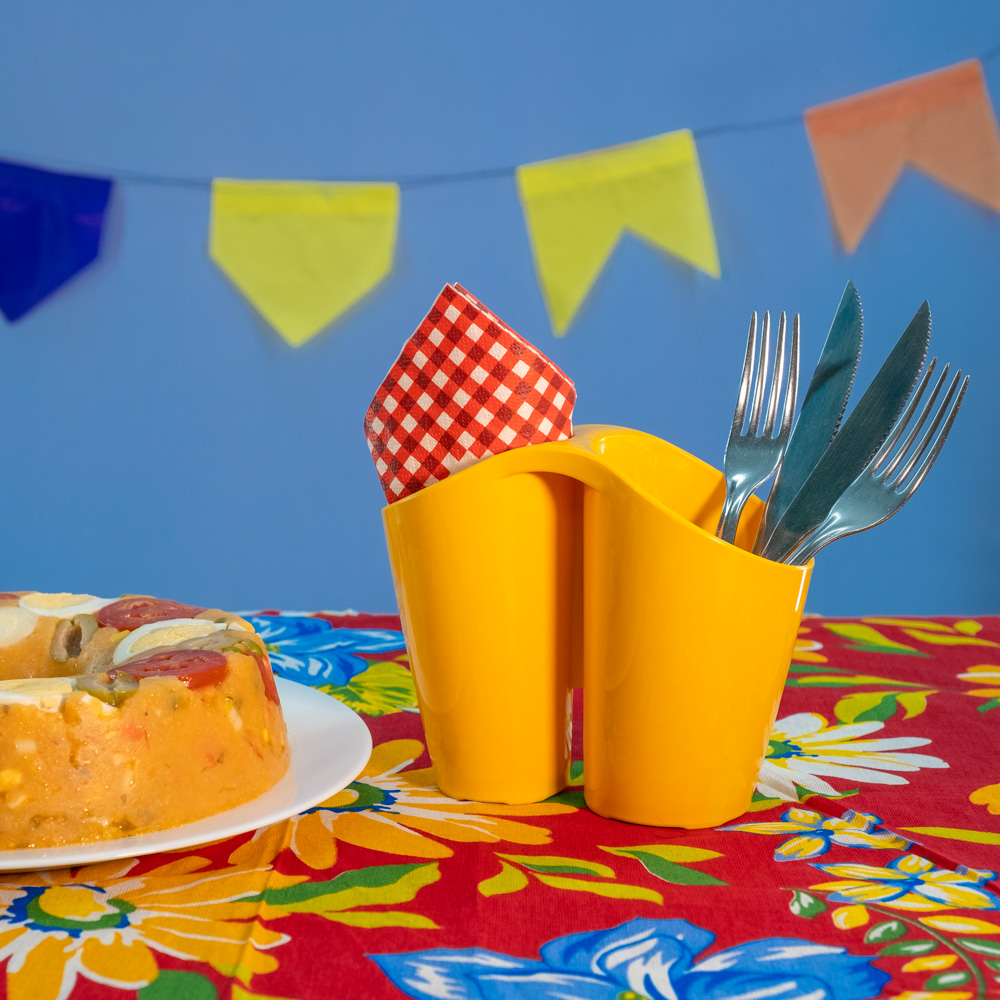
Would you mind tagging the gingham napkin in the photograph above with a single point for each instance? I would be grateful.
(465, 386)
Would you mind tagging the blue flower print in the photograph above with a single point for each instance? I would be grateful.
(311, 651)
(642, 960)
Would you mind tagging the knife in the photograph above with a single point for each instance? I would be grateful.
(857, 441)
(821, 413)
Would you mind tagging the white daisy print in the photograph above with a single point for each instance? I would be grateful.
(803, 750)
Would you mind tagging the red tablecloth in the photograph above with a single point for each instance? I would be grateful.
(865, 867)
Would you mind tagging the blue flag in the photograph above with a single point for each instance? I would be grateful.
(50, 228)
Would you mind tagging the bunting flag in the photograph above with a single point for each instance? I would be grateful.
(577, 207)
(303, 253)
(50, 228)
(942, 123)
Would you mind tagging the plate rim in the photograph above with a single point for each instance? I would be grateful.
(301, 699)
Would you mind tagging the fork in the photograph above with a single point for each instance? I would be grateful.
(753, 456)
(888, 482)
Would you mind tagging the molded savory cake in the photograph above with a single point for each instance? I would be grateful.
(125, 716)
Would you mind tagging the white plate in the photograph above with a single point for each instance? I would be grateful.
(330, 746)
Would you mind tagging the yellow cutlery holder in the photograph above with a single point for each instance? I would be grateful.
(594, 561)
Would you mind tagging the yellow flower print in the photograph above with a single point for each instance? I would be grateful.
(105, 925)
(396, 811)
(911, 882)
(807, 650)
(989, 796)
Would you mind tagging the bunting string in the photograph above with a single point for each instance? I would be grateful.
(303, 252)
(416, 180)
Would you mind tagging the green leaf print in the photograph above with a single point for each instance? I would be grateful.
(982, 946)
(826, 679)
(559, 873)
(815, 668)
(877, 706)
(960, 634)
(572, 795)
(669, 862)
(887, 930)
(866, 639)
(946, 980)
(372, 886)
(559, 866)
(677, 874)
(172, 984)
(989, 705)
(569, 797)
(804, 904)
(920, 947)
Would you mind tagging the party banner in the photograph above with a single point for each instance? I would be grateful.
(50, 228)
(942, 123)
(577, 208)
(303, 252)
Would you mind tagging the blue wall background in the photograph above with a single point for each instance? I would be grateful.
(158, 437)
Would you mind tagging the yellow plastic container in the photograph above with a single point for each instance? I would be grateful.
(594, 558)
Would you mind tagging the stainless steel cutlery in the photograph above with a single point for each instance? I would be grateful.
(896, 470)
(752, 455)
(822, 410)
(835, 479)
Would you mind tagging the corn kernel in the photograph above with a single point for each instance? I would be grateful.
(10, 777)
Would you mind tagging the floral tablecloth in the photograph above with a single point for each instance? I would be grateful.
(865, 867)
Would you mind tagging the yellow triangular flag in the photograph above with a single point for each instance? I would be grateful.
(577, 207)
(301, 252)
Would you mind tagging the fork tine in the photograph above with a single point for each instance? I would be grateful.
(875, 496)
(929, 436)
(792, 390)
(929, 459)
(777, 379)
(744, 393)
(758, 392)
(899, 428)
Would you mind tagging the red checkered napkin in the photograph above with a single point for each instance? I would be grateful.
(465, 386)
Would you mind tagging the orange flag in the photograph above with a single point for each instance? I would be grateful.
(941, 123)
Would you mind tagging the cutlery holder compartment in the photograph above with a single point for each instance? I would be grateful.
(594, 558)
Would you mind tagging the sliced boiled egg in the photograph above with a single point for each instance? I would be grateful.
(63, 605)
(38, 685)
(166, 633)
(16, 623)
(45, 693)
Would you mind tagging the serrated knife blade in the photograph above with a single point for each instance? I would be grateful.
(822, 410)
(857, 441)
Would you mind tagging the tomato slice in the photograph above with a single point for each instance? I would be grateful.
(193, 667)
(131, 612)
(249, 648)
(267, 676)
